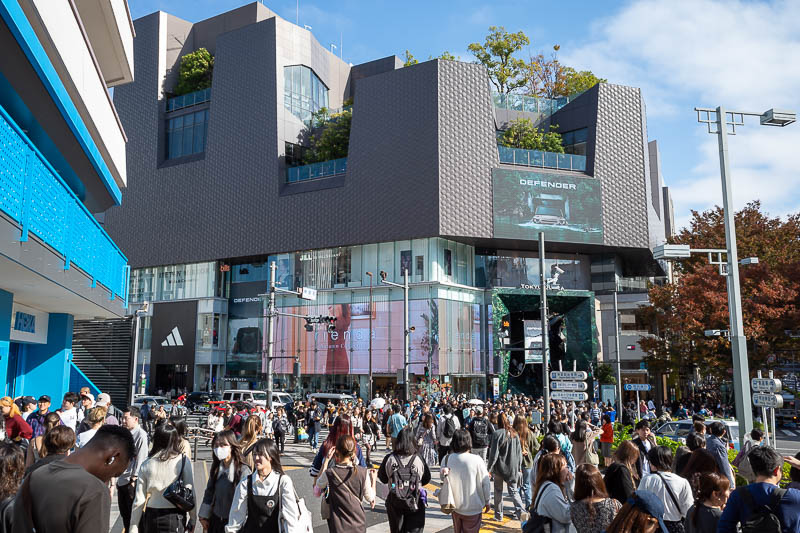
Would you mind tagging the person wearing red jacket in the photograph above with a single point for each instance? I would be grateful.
(16, 427)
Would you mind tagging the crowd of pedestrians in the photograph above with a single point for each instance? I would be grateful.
(58, 469)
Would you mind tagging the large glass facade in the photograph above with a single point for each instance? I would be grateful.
(521, 269)
(303, 92)
(174, 282)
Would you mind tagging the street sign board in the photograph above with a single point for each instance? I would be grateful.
(307, 293)
(564, 375)
(766, 385)
(568, 385)
(767, 400)
(637, 387)
(569, 396)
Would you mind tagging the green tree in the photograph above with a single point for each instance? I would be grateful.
(506, 72)
(547, 77)
(409, 59)
(196, 71)
(605, 375)
(331, 138)
(522, 133)
(447, 56)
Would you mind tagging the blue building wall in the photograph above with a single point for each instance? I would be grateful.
(6, 300)
(45, 368)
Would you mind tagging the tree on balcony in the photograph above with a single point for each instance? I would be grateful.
(328, 136)
(522, 133)
(506, 72)
(547, 77)
(196, 71)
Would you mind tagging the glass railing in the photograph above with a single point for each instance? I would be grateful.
(313, 171)
(537, 158)
(531, 104)
(35, 196)
(188, 100)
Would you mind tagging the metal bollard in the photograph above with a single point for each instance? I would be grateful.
(194, 452)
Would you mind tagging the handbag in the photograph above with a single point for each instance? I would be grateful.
(179, 494)
(537, 523)
(590, 455)
(445, 497)
(304, 522)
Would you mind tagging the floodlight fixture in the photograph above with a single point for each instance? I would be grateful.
(778, 117)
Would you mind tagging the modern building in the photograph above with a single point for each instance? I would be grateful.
(216, 193)
(62, 164)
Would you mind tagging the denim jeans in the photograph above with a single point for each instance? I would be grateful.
(525, 487)
(312, 440)
(512, 491)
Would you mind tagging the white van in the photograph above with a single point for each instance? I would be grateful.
(334, 398)
(256, 397)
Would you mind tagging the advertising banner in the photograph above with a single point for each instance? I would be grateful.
(567, 208)
(245, 325)
(533, 341)
(172, 341)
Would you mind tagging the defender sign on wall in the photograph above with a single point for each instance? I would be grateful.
(567, 208)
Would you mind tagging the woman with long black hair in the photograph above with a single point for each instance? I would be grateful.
(404, 456)
(163, 466)
(227, 469)
(265, 497)
(371, 433)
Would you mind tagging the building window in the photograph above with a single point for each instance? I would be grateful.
(186, 134)
(303, 92)
(294, 154)
(574, 142)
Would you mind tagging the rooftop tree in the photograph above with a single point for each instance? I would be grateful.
(196, 71)
(506, 72)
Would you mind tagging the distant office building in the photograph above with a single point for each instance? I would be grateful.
(218, 191)
(62, 160)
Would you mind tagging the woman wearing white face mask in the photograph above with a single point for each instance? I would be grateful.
(227, 469)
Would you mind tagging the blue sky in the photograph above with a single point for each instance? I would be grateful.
(682, 53)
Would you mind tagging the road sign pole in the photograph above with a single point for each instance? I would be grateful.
(774, 426)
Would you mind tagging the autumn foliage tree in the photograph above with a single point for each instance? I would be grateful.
(697, 300)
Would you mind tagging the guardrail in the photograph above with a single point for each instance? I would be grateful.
(536, 158)
(313, 171)
(189, 99)
(34, 195)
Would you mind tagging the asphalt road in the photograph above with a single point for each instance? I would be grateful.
(296, 461)
(788, 441)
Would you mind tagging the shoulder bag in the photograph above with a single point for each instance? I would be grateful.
(178, 494)
(304, 522)
(537, 523)
(590, 455)
(445, 496)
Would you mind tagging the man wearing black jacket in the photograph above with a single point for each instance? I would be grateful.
(644, 441)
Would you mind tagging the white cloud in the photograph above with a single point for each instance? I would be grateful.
(685, 53)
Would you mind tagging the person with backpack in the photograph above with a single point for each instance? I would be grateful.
(763, 507)
(405, 473)
(741, 461)
(313, 424)
(505, 464)
(347, 485)
(280, 427)
(674, 491)
(446, 428)
(480, 429)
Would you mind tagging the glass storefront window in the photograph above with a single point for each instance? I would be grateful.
(208, 330)
(174, 282)
(514, 269)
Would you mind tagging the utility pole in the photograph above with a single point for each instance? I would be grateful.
(545, 332)
(406, 329)
(371, 394)
(618, 366)
(270, 328)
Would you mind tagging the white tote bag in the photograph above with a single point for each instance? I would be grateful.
(304, 523)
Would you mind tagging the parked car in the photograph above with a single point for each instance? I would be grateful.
(255, 397)
(677, 430)
(334, 397)
(198, 402)
(138, 400)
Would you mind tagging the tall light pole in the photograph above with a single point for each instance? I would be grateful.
(618, 366)
(545, 332)
(717, 121)
(137, 316)
(273, 268)
(371, 396)
(406, 330)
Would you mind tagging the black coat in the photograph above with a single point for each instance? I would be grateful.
(619, 483)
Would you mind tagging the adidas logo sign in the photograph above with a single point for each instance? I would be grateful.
(173, 339)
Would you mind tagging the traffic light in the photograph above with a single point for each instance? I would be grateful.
(297, 370)
(331, 322)
(427, 372)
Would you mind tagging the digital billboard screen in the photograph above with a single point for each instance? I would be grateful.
(566, 208)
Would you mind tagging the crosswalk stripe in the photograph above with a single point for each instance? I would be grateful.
(788, 433)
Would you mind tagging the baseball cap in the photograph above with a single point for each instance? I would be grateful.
(649, 503)
(479, 409)
(44, 398)
(87, 395)
(27, 400)
(103, 399)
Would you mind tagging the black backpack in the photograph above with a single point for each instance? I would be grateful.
(537, 523)
(480, 433)
(404, 486)
(449, 428)
(763, 519)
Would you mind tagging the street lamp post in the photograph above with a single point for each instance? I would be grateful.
(406, 330)
(138, 316)
(618, 366)
(545, 326)
(718, 120)
(371, 395)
